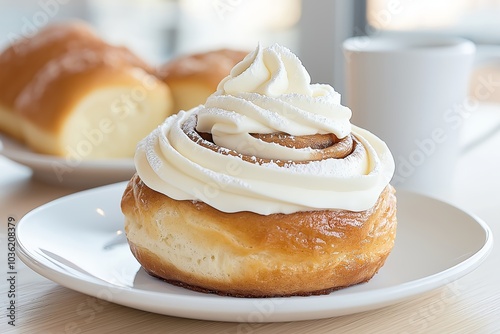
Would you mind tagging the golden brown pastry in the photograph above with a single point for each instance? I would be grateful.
(245, 254)
(21, 61)
(80, 97)
(265, 190)
(192, 78)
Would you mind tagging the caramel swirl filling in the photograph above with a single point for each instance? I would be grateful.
(323, 146)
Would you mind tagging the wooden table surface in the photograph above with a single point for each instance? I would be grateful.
(470, 304)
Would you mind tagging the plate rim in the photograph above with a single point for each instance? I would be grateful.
(394, 294)
(61, 171)
(27, 157)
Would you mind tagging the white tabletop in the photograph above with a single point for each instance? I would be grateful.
(468, 305)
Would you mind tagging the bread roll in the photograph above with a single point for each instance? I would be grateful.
(192, 78)
(79, 97)
(22, 60)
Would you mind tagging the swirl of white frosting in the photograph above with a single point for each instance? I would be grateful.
(268, 92)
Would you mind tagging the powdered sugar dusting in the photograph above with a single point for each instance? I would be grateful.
(269, 147)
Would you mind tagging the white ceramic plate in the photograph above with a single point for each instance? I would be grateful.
(68, 172)
(77, 241)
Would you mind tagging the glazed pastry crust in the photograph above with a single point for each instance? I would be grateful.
(245, 254)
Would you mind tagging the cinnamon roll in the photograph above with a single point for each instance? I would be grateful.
(265, 190)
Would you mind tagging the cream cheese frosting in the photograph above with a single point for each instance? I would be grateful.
(268, 92)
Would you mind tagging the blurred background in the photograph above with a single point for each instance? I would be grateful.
(158, 30)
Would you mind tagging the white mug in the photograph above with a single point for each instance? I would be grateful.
(411, 91)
